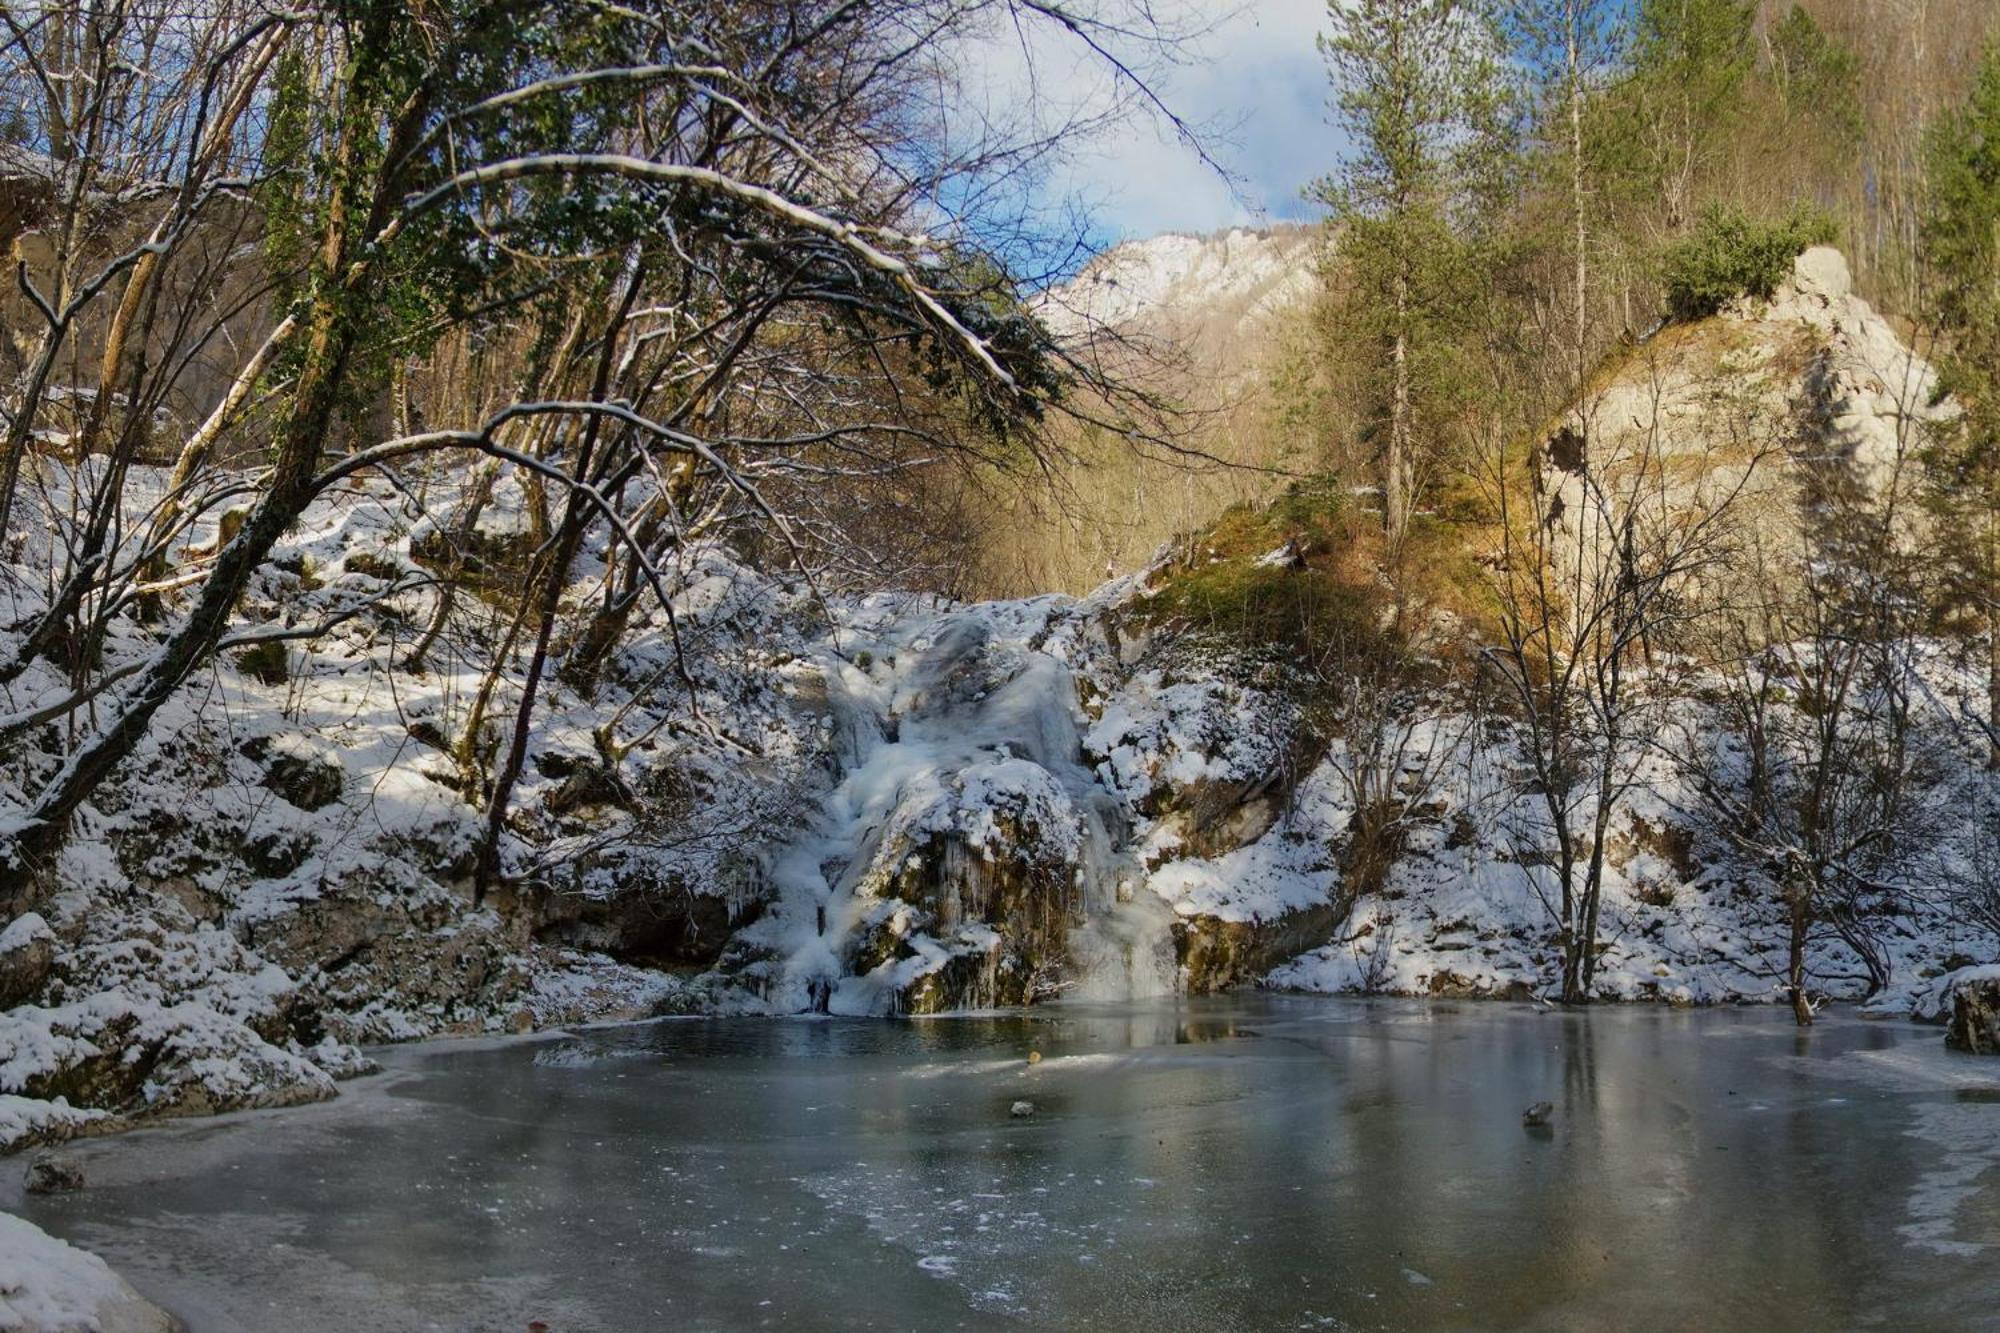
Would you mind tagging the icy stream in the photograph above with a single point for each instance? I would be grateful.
(1260, 1162)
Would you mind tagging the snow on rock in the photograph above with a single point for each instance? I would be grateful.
(50, 1286)
(31, 1120)
(27, 954)
(1254, 275)
(1195, 753)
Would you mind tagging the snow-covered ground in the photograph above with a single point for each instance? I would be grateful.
(50, 1286)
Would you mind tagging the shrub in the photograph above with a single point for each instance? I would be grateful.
(268, 662)
(1732, 254)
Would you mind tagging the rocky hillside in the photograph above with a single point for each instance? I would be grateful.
(883, 805)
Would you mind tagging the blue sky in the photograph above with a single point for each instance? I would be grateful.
(1259, 82)
(1254, 80)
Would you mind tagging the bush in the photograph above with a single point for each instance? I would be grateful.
(1731, 254)
(268, 662)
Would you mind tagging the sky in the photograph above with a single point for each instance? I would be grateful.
(1258, 86)
(1248, 75)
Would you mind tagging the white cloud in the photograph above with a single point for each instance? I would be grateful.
(1254, 83)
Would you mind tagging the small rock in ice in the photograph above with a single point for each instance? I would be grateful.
(1021, 1109)
(1538, 1115)
(48, 1174)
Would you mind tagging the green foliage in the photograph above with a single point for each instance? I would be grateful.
(1731, 254)
(1416, 205)
(1818, 80)
(1691, 60)
(282, 196)
(1961, 256)
(1703, 46)
(1220, 588)
(268, 662)
(1961, 228)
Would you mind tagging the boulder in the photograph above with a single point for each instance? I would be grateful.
(27, 955)
(309, 783)
(297, 770)
(1975, 1013)
(50, 1174)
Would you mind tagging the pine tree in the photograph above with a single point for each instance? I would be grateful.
(1691, 59)
(1961, 255)
(1818, 80)
(1417, 88)
(1568, 50)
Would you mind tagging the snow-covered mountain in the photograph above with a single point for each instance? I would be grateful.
(1215, 288)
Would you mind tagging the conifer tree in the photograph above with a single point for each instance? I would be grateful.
(1961, 255)
(1417, 88)
(1691, 60)
(1568, 50)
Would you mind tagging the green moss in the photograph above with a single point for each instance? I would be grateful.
(1219, 587)
(1332, 590)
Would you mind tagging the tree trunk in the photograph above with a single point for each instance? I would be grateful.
(1582, 308)
(1395, 501)
(1795, 962)
(1993, 681)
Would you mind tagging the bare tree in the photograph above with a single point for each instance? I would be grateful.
(1603, 538)
(1815, 766)
(782, 253)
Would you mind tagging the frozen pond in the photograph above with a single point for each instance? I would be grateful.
(1250, 1163)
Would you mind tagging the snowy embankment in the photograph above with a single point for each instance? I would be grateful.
(50, 1286)
(883, 805)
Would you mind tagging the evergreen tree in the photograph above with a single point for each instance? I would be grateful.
(1691, 60)
(1568, 50)
(1817, 79)
(1961, 255)
(1418, 90)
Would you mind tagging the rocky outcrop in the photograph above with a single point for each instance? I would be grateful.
(1001, 914)
(1974, 1026)
(1216, 954)
(1766, 405)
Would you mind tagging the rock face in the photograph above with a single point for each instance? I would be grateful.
(1815, 376)
(1217, 954)
(1975, 1014)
